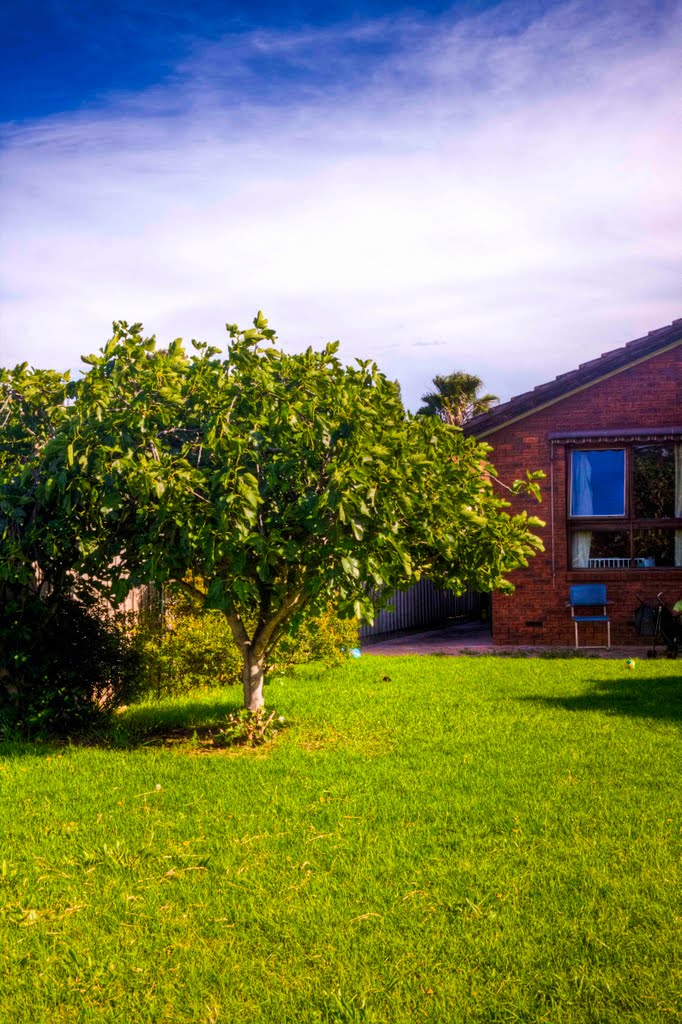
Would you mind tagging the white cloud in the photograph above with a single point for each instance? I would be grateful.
(480, 195)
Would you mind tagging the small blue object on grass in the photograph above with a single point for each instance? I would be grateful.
(354, 652)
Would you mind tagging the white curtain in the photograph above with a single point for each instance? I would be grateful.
(678, 503)
(582, 542)
(581, 500)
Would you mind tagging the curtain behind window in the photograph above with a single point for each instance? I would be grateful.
(582, 542)
(582, 496)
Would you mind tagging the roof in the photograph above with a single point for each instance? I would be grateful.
(606, 365)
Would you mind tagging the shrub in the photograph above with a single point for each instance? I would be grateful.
(325, 638)
(249, 728)
(189, 649)
(185, 647)
(64, 666)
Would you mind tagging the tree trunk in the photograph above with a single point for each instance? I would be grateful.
(253, 677)
(254, 650)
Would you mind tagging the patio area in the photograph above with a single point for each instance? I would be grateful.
(474, 638)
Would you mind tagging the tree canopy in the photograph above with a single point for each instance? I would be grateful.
(264, 482)
(33, 410)
(455, 398)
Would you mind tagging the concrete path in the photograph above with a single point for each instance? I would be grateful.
(474, 638)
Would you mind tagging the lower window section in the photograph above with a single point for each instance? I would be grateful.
(655, 547)
(613, 549)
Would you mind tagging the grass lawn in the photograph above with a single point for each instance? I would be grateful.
(433, 840)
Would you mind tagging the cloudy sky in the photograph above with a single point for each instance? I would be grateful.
(492, 187)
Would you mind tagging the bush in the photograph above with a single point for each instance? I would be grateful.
(325, 638)
(64, 666)
(185, 648)
(190, 649)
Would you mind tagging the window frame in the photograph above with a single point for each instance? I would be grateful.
(626, 523)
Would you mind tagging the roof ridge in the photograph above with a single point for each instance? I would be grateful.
(588, 373)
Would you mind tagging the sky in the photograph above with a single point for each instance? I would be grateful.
(478, 186)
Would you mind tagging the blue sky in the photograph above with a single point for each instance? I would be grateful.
(491, 187)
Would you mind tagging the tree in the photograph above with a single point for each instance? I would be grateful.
(455, 398)
(266, 483)
(62, 664)
(33, 410)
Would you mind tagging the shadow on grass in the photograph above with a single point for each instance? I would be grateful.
(148, 724)
(634, 697)
(166, 723)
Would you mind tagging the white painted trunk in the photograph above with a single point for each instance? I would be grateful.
(254, 677)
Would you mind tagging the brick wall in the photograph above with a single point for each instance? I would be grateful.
(644, 396)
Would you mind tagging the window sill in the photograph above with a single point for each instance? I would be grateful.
(657, 573)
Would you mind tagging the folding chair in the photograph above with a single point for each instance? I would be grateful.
(589, 595)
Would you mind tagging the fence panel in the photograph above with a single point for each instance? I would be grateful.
(422, 606)
(417, 608)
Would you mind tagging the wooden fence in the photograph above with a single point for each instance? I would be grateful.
(138, 600)
(422, 606)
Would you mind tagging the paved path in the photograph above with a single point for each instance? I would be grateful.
(475, 638)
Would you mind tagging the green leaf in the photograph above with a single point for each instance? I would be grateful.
(357, 528)
(351, 567)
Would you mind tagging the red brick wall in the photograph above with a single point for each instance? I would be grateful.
(642, 397)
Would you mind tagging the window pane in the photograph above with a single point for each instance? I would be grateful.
(609, 546)
(600, 549)
(654, 547)
(653, 477)
(598, 483)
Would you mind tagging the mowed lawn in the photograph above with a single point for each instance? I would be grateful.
(433, 839)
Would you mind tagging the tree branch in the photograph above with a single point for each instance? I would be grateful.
(263, 635)
(279, 629)
(241, 637)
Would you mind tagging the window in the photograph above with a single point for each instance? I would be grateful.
(598, 483)
(625, 506)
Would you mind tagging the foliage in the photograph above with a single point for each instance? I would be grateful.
(33, 406)
(64, 666)
(191, 649)
(324, 638)
(285, 482)
(195, 647)
(65, 663)
(33, 409)
(455, 398)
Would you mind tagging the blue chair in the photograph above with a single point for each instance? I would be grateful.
(592, 596)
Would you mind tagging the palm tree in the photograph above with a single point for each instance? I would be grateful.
(455, 398)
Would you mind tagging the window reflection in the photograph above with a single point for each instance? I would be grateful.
(653, 479)
(653, 547)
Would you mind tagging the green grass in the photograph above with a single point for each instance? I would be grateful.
(433, 840)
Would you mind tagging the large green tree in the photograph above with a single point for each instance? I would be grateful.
(455, 398)
(266, 483)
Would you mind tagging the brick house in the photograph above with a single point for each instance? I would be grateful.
(608, 435)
